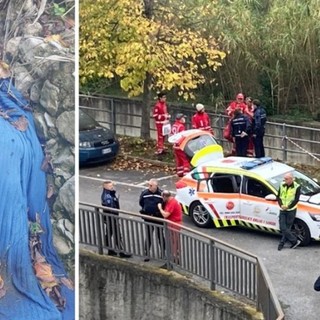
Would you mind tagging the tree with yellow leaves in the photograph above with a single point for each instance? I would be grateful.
(149, 45)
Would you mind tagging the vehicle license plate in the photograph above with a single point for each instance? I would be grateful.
(107, 150)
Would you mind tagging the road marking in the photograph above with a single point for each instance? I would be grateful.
(158, 179)
(140, 185)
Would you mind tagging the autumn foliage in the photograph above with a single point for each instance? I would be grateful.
(147, 44)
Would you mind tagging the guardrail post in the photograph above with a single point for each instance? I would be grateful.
(114, 120)
(259, 288)
(98, 219)
(211, 265)
(285, 143)
(263, 292)
(167, 237)
(221, 127)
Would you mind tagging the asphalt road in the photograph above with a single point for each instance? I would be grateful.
(292, 272)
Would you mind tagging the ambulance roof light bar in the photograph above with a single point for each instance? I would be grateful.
(256, 162)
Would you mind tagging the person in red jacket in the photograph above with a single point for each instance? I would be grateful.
(237, 104)
(161, 117)
(171, 210)
(201, 119)
(182, 162)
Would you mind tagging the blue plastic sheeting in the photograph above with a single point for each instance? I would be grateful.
(22, 195)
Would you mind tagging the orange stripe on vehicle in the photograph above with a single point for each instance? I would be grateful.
(306, 207)
(210, 195)
(190, 182)
(255, 199)
(301, 205)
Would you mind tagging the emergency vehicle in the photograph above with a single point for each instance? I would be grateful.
(196, 144)
(239, 191)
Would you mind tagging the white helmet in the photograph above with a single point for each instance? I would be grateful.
(199, 106)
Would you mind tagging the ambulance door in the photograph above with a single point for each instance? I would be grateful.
(255, 209)
(223, 200)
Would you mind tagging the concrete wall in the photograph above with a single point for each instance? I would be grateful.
(111, 288)
(127, 116)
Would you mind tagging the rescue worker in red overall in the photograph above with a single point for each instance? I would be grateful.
(201, 119)
(161, 117)
(182, 162)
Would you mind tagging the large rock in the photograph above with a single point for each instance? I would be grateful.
(50, 98)
(66, 228)
(35, 92)
(63, 247)
(49, 120)
(31, 51)
(65, 199)
(64, 80)
(23, 79)
(33, 29)
(28, 6)
(63, 163)
(41, 125)
(52, 146)
(12, 47)
(65, 125)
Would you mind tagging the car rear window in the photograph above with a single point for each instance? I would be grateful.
(198, 143)
(86, 122)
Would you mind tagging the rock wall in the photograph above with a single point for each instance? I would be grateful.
(38, 45)
(110, 288)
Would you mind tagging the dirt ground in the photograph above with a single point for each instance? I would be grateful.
(138, 154)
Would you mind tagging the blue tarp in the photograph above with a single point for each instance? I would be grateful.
(22, 195)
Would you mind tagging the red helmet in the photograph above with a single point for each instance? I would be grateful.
(240, 96)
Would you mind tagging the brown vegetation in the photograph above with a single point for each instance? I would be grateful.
(138, 154)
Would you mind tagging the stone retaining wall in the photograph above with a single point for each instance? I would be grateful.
(111, 288)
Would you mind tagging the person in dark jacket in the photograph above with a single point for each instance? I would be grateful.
(316, 285)
(288, 198)
(258, 128)
(109, 199)
(148, 201)
(240, 130)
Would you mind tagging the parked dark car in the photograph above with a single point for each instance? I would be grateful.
(97, 144)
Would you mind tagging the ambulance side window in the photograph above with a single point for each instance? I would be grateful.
(255, 188)
(225, 183)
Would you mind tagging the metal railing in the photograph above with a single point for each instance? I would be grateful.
(282, 141)
(183, 249)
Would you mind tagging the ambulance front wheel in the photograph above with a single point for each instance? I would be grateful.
(302, 231)
(199, 215)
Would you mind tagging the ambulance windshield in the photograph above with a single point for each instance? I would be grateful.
(309, 187)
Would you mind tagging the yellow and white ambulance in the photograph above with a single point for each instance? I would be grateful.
(238, 191)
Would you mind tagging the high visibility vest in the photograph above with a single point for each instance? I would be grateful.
(287, 195)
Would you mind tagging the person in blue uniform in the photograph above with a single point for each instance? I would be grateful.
(258, 128)
(240, 130)
(110, 199)
(148, 201)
